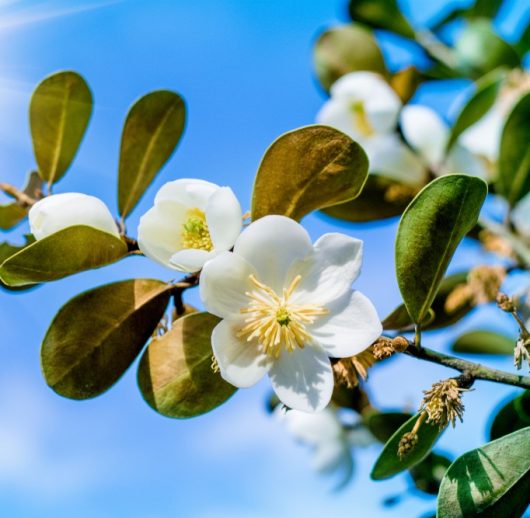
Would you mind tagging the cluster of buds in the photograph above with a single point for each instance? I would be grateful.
(521, 352)
(385, 347)
(347, 371)
(482, 286)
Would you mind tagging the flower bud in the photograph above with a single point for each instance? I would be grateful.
(59, 211)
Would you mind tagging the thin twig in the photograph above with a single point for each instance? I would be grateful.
(475, 370)
(21, 197)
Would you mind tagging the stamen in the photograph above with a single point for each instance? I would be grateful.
(195, 233)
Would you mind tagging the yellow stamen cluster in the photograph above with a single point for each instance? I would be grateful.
(195, 232)
(443, 403)
(360, 119)
(274, 321)
(348, 370)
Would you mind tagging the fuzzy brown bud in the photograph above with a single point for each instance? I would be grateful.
(505, 303)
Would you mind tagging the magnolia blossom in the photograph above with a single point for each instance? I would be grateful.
(365, 107)
(59, 211)
(483, 138)
(330, 440)
(191, 222)
(428, 135)
(287, 306)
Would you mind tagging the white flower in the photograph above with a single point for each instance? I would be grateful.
(59, 211)
(191, 222)
(330, 440)
(366, 108)
(287, 306)
(428, 135)
(521, 217)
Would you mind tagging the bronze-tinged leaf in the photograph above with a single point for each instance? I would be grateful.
(175, 374)
(72, 250)
(59, 113)
(151, 133)
(96, 336)
(308, 169)
(405, 82)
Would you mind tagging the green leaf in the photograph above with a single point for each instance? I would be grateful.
(96, 336)
(430, 229)
(6, 251)
(383, 425)
(491, 482)
(151, 133)
(344, 49)
(59, 112)
(175, 373)
(440, 316)
(381, 14)
(513, 416)
(514, 155)
(480, 50)
(484, 342)
(485, 8)
(428, 474)
(389, 464)
(308, 169)
(374, 203)
(487, 89)
(72, 250)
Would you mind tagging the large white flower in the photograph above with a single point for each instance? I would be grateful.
(59, 211)
(366, 108)
(428, 135)
(330, 440)
(191, 222)
(287, 306)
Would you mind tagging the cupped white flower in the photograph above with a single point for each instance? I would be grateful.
(191, 221)
(59, 211)
(428, 135)
(330, 440)
(287, 306)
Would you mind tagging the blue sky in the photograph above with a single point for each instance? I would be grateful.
(244, 69)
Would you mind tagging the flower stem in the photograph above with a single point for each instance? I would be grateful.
(21, 197)
(474, 370)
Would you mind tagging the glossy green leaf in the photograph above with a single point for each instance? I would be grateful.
(487, 89)
(59, 113)
(374, 202)
(513, 416)
(491, 482)
(96, 336)
(308, 169)
(344, 49)
(514, 156)
(428, 474)
(175, 373)
(440, 316)
(485, 8)
(430, 229)
(151, 133)
(480, 50)
(6, 251)
(484, 342)
(72, 250)
(381, 14)
(383, 425)
(389, 464)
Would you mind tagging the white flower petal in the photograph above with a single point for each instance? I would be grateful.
(391, 158)
(271, 244)
(329, 271)
(190, 192)
(483, 138)
(352, 326)
(190, 260)
(426, 132)
(60, 211)
(224, 218)
(303, 379)
(224, 281)
(315, 427)
(159, 232)
(337, 114)
(240, 362)
(521, 217)
(331, 456)
(461, 160)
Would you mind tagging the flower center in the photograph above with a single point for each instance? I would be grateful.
(360, 119)
(195, 232)
(275, 321)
